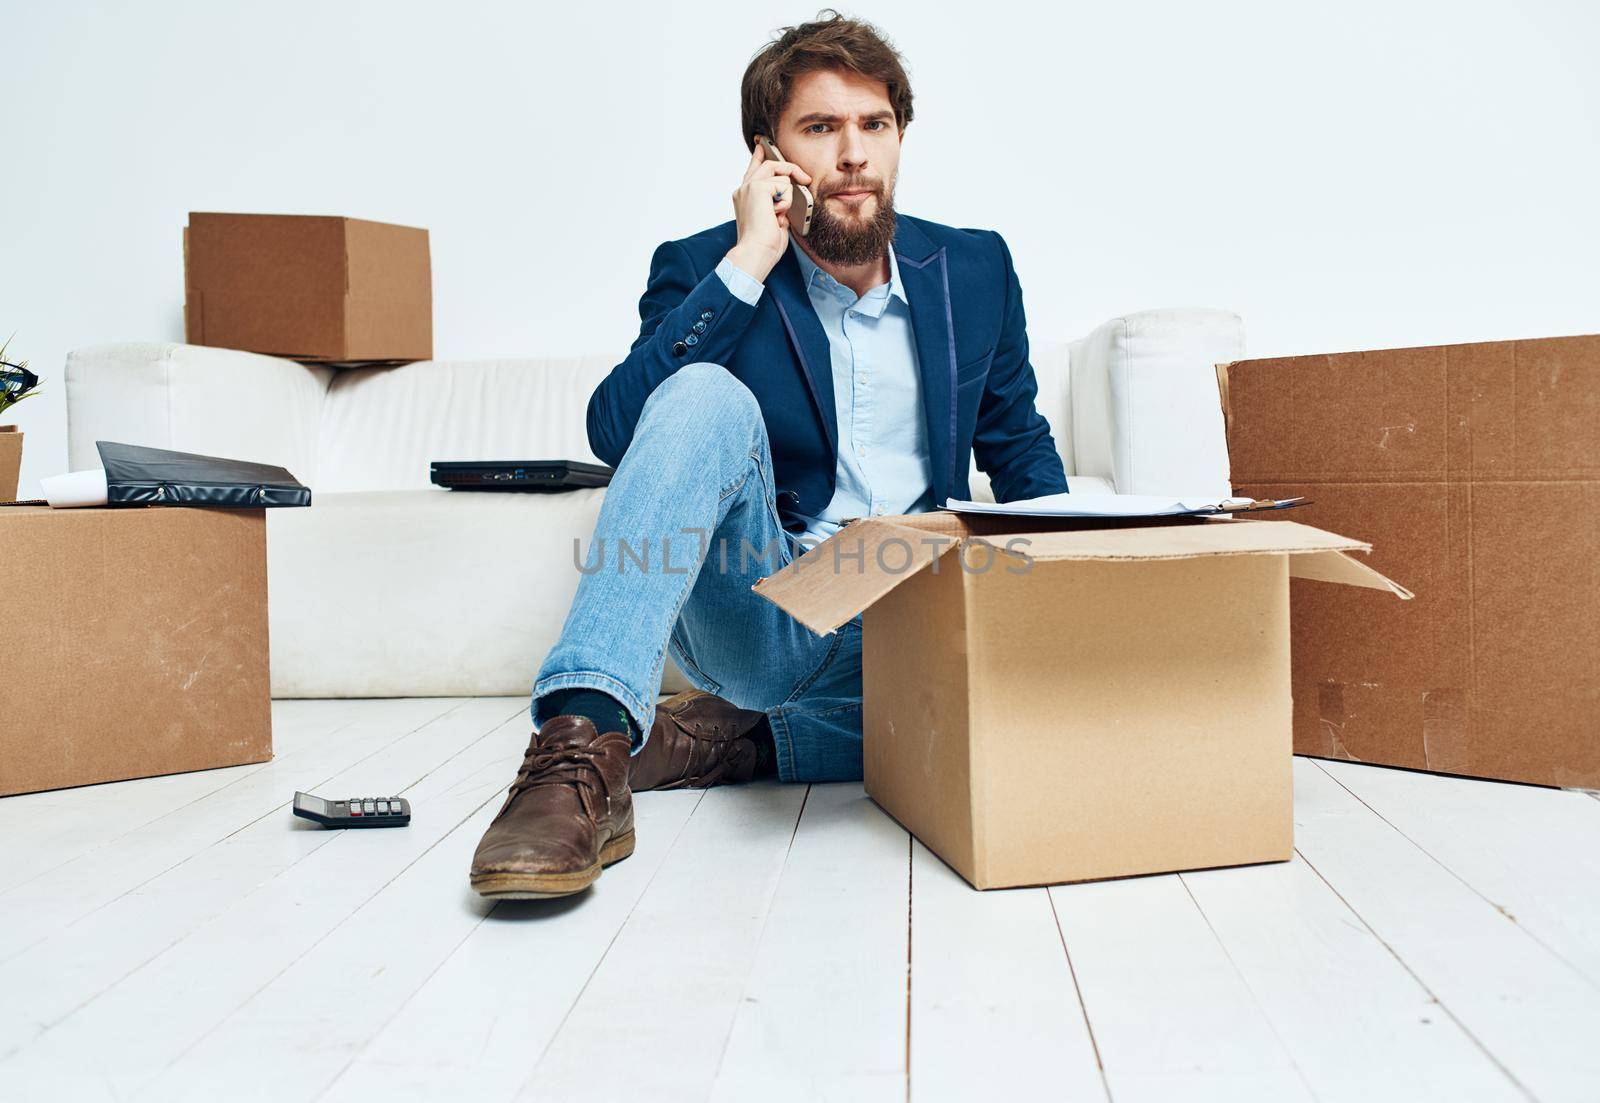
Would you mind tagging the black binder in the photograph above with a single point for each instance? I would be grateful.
(136, 475)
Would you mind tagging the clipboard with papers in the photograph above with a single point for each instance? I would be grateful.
(1121, 505)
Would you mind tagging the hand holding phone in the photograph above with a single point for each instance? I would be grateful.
(803, 202)
(770, 201)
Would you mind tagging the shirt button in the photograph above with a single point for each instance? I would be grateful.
(853, 314)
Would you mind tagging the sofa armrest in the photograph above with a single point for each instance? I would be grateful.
(217, 402)
(1146, 414)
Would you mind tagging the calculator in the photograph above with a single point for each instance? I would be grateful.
(355, 812)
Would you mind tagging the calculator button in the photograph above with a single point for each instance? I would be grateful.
(355, 808)
(367, 808)
(383, 808)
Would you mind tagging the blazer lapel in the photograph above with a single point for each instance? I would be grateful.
(924, 271)
(809, 339)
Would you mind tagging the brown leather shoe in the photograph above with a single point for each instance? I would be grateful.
(568, 814)
(696, 741)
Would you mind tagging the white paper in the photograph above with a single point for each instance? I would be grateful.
(1099, 505)
(76, 488)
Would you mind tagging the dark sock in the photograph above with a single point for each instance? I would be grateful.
(605, 712)
(766, 749)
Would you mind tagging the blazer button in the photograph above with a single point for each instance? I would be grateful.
(691, 340)
(699, 327)
(680, 348)
(706, 316)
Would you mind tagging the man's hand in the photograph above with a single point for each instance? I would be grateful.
(761, 206)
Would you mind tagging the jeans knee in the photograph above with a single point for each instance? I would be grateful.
(706, 391)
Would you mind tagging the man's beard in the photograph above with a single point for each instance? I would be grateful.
(848, 239)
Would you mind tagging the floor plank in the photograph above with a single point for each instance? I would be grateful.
(672, 981)
(37, 908)
(1357, 1024)
(1437, 938)
(325, 1006)
(126, 1037)
(85, 958)
(1170, 1013)
(994, 1007)
(475, 1027)
(1535, 1014)
(44, 830)
(1533, 853)
(830, 974)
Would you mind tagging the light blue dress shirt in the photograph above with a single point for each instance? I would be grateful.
(883, 465)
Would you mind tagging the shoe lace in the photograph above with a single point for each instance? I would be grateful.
(714, 775)
(576, 766)
(726, 764)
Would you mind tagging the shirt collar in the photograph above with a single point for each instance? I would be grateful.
(811, 273)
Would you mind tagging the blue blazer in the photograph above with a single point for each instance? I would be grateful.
(978, 387)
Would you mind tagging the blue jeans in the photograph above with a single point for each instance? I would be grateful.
(688, 525)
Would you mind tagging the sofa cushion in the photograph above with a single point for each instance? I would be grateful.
(1146, 415)
(422, 593)
(381, 427)
(217, 402)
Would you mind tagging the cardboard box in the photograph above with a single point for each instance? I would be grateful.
(1066, 702)
(10, 461)
(311, 288)
(1475, 472)
(135, 643)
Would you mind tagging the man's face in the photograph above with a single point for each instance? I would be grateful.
(840, 127)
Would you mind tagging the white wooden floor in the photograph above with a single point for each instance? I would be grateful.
(184, 937)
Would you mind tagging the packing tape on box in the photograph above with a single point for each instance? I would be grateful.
(75, 488)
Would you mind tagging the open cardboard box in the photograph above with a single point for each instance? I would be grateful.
(1072, 700)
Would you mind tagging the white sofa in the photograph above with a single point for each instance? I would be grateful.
(388, 586)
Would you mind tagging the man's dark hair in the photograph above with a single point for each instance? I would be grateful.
(831, 42)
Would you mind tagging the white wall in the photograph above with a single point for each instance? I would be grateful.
(1350, 175)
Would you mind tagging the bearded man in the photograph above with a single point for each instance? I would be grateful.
(781, 384)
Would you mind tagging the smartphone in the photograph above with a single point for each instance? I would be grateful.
(803, 204)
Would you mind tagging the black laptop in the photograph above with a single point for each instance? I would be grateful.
(538, 475)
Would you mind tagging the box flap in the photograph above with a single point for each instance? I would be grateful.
(860, 563)
(1222, 395)
(1222, 537)
(387, 263)
(850, 570)
(1336, 566)
(1313, 553)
